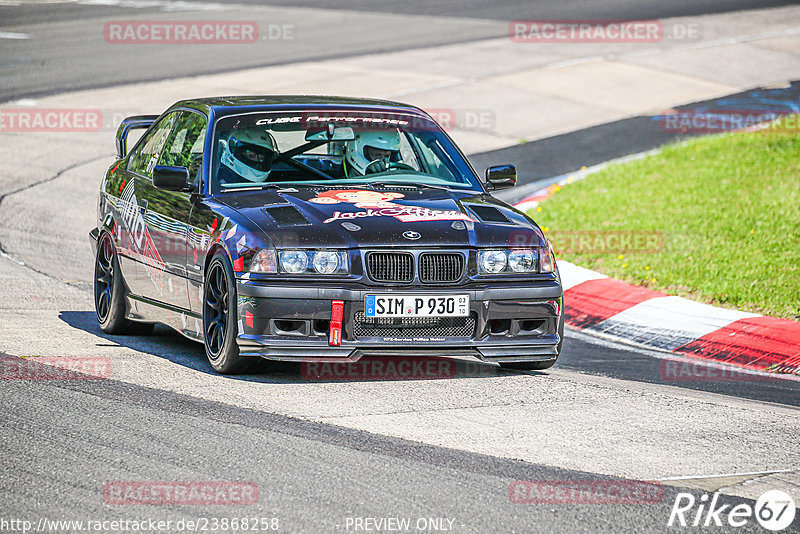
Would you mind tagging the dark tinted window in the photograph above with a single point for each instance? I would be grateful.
(348, 147)
(145, 155)
(184, 146)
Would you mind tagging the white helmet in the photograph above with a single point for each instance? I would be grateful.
(249, 153)
(361, 151)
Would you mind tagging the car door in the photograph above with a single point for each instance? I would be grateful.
(135, 239)
(167, 213)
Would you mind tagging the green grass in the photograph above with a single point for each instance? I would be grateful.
(728, 208)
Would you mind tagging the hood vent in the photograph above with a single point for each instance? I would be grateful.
(489, 214)
(287, 215)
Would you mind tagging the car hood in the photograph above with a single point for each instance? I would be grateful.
(409, 217)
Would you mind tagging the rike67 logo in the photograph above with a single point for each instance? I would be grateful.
(774, 510)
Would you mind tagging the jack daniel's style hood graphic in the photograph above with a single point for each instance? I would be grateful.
(379, 217)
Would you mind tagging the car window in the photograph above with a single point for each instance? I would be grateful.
(184, 146)
(436, 164)
(407, 154)
(146, 153)
(292, 147)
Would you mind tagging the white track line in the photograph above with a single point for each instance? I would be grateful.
(725, 475)
(13, 35)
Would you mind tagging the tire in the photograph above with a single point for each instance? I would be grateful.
(220, 326)
(539, 366)
(109, 292)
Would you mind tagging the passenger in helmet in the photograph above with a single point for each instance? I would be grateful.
(248, 154)
(370, 152)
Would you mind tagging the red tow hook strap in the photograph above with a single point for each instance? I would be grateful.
(335, 333)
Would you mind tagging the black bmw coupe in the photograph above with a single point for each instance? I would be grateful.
(319, 229)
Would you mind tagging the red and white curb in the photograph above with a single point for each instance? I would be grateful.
(620, 311)
(616, 310)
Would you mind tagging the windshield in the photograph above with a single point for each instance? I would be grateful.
(333, 148)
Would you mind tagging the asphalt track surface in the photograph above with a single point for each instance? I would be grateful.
(555, 156)
(504, 10)
(312, 477)
(64, 440)
(71, 55)
(543, 9)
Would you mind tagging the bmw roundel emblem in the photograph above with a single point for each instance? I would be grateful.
(412, 235)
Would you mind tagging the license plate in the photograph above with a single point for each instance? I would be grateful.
(416, 306)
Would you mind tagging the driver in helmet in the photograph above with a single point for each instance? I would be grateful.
(247, 154)
(372, 152)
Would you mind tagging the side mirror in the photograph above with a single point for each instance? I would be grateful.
(171, 178)
(500, 177)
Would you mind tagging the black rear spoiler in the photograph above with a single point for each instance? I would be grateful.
(131, 123)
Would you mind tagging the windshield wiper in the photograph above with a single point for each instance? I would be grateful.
(385, 184)
(268, 185)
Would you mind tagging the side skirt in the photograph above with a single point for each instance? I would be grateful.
(185, 322)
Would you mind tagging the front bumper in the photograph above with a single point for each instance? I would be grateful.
(511, 324)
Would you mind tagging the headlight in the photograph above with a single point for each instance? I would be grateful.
(264, 261)
(313, 262)
(522, 261)
(294, 261)
(516, 261)
(492, 261)
(326, 262)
